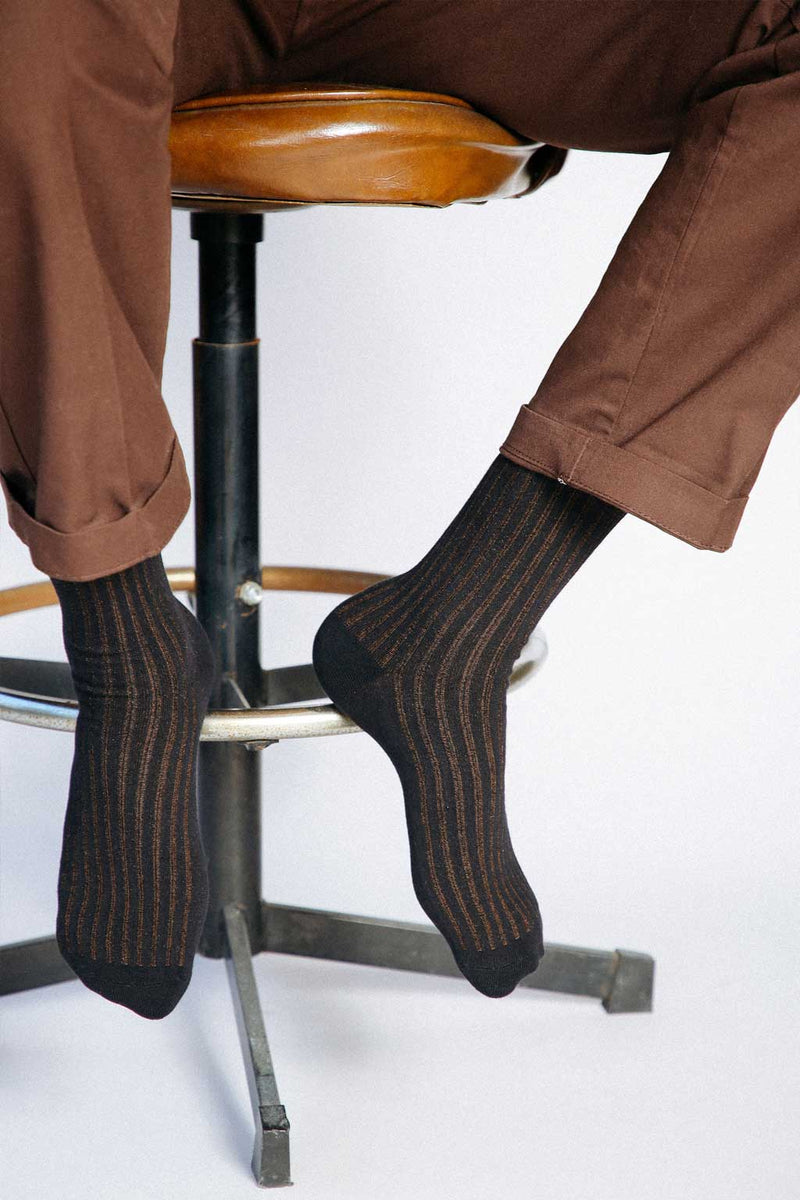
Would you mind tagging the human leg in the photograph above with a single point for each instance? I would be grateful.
(132, 888)
(422, 662)
(666, 395)
(91, 469)
(387, 55)
(93, 475)
(414, 660)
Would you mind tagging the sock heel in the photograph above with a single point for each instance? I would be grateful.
(203, 652)
(342, 664)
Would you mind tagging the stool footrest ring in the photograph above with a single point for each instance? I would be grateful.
(40, 693)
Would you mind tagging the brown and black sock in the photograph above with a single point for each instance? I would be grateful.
(133, 886)
(422, 661)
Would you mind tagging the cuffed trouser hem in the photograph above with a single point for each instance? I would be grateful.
(640, 486)
(105, 549)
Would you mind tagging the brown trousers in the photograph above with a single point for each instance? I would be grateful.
(662, 400)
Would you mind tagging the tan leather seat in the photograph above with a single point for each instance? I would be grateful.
(301, 144)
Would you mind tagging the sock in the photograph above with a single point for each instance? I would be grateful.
(133, 884)
(422, 661)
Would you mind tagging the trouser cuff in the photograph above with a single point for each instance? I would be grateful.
(640, 486)
(110, 547)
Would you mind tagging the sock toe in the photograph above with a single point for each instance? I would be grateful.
(152, 992)
(496, 973)
(133, 878)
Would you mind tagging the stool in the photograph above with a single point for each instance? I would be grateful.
(235, 156)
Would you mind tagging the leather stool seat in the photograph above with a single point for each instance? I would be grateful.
(257, 149)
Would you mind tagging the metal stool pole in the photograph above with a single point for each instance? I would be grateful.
(228, 590)
(226, 495)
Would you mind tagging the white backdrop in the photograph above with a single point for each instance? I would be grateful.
(652, 780)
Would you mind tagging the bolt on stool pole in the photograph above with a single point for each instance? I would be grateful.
(235, 156)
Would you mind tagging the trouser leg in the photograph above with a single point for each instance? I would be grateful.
(92, 472)
(91, 468)
(664, 397)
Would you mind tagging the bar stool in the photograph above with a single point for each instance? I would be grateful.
(235, 156)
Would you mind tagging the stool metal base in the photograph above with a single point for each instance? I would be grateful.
(621, 979)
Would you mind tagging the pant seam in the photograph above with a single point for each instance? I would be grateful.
(547, 469)
(15, 440)
(581, 453)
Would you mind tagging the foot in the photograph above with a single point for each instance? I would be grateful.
(133, 886)
(442, 724)
(422, 663)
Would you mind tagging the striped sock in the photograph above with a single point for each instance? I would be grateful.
(133, 887)
(422, 661)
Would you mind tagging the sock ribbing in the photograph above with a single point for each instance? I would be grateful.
(422, 661)
(132, 890)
